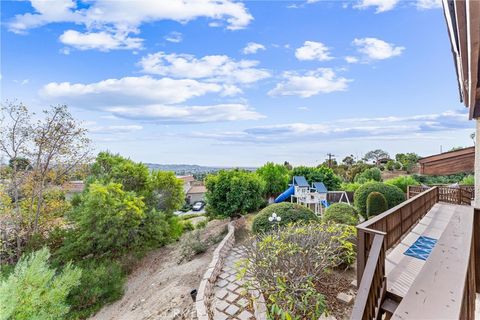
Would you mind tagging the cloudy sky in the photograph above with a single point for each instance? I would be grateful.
(227, 82)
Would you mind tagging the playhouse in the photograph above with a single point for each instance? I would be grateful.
(312, 196)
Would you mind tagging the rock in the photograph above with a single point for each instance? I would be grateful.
(324, 317)
(354, 283)
(345, 298)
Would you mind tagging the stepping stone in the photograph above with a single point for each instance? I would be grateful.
(232, 286)
(232, 278)
(245, 315)
(221, 305)
(231, 297)
(345, 298)
(222, 283)
(242, 302)
(232, 309)
(217, 315)
(224, 275)
(221, 294)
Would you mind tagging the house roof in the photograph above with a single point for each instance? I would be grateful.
(73, 186)
(320, 187)
(300, 181)
(463, 24)
(186, 179)
(197, 189)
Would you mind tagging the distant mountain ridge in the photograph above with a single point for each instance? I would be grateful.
(184, 169)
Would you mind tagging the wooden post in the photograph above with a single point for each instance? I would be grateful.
(361, 256)
(476, 245)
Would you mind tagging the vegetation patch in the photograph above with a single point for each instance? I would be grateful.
(288, 212)
(341, 213)
(392, 194)
(291, 265)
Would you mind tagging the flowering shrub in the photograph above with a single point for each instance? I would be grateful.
(289, 265)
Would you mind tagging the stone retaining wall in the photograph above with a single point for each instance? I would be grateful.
(205, 290)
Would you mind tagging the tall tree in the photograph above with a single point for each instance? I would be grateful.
(276, 177)
(376, 155)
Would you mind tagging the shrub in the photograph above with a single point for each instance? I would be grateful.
(351, 186)
(36, 291)
(289, 213)
(376, 204)
(341, 213)
(290, 266)
(102, 282)
(393, 195)
(202, 224)
(402, 182)
(468, 180)
(370, 174)
(232, 193)
(319, 174)
(187, 225)
(276, 177)
(192, 244)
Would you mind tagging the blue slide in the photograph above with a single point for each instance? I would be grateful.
(285, 195)
(325, 203)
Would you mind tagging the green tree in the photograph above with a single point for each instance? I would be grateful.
(115, 168)
(402, 182)
(408, 160)
(234, 192)
(276, 177)
(376, 204)
(371, 174)
(36, 291)
(108, 221)
(165, 192)
(376, 155)
(319, 174)
(348, 160)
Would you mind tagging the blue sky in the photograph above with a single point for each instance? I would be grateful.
(239, 83)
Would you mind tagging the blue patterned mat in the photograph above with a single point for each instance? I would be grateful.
(421, 248)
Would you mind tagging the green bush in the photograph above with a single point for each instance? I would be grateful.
(341, 213)
(402, 182)
(289, 264)
(202, 224)
(276, 177)
(350, 186)
(102, 282)
(371, 174)
(289, 213)
(36, 291)
(232, 193)
(319, 174)
(468, 180)
(376, 204)
(187, 225)
(393, 194)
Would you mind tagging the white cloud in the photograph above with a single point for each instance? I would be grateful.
(356, 128)
(125, 17)
(22, 82)
(376, 49)
(116, 129)
(323, 80)
(103, 41)
(312, 50)
(129, 90)
(350, 59)
(253, 47)
(187, 114)
(381, 5)
(175, 37)
(429, 4)
(213, 68)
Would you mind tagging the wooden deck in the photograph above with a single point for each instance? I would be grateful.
(402, 270)
(437, 291)
(444, 285)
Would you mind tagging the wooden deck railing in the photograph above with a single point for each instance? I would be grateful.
(460, 195)
(373, 286)
(389, 228)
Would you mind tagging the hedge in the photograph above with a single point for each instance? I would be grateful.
(289, 213)
(376, 204)
(392, 194)
(341, 213)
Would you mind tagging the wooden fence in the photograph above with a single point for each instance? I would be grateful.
(460, 195)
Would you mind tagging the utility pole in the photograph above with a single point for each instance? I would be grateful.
(330, 156)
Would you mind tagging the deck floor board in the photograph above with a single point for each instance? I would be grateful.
(401, 270)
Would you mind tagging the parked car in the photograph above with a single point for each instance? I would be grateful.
(197, 206)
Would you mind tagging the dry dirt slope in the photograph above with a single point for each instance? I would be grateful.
(159, 288)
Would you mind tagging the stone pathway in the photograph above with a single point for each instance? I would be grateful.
(231, 299)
